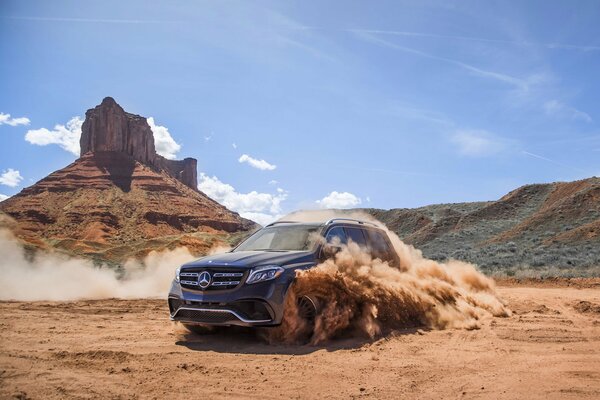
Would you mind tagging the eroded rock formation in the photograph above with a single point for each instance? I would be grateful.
(108, 128)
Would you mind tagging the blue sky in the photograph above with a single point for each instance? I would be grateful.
(387, 104)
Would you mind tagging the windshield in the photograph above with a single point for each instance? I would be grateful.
(281, 238)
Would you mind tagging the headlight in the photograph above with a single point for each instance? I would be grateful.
(266, 273)
(177, 274)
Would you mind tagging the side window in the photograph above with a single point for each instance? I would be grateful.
(336, 232)
(356, 235)
(379, 245)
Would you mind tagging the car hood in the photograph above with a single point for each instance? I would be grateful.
(249, 259)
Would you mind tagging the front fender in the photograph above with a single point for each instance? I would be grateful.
(291, 273)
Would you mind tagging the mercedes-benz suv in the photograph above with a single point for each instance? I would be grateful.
(248, 285)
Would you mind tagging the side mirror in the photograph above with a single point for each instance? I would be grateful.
(330, 250)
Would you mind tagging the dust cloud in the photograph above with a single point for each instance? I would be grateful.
(356, 293)
(55, 277)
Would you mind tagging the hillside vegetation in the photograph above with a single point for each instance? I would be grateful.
(536, 230)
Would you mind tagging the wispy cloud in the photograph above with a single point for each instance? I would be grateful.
(511, 80)
(409, 112)
(5, 119)
(3, 197)
(256, 163)
(558, 109)
(565, 46)
(93, 20)
(478, 143)
(539, 157)
(304, 47)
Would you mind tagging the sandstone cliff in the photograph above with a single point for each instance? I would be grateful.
(107, 127)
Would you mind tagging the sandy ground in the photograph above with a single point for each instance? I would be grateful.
(549, 348)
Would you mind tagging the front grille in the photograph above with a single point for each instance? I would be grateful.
(206, 316)
(220, 278)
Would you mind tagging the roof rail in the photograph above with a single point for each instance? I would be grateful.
(282, 222)
(357, 221)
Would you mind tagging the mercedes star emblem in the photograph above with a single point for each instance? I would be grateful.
(204, 280)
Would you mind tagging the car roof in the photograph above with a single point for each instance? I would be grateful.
(331, 222)
(294, 223)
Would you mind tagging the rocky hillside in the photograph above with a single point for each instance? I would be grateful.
(120, 199)
(544, 227)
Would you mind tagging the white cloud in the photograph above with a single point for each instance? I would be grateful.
(3, 197)
(557, 109)
(234, 145)
(260, 207)
(11, 177)
(164, 143)
(259, 164)
(477, 143)
(273, 182)
(66, 137)
(5, 119)
(263, 219)
(339, 200)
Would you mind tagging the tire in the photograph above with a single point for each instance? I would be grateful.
(308, 308)
(298, 322)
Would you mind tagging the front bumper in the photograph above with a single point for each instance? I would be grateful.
(259, 304)
(222, 314)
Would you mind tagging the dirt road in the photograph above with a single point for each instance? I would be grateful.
(549, 348)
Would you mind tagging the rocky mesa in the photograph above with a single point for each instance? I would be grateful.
(120, 199)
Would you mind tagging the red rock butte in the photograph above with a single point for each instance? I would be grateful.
(107, 127)
(120, 199)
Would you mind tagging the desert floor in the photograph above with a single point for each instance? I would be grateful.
(549, 348)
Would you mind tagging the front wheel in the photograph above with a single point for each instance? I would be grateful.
(308, 307)
(298, 322)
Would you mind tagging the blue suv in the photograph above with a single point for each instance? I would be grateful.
(248, 285)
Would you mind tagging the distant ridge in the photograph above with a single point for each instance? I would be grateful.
(539, 226)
